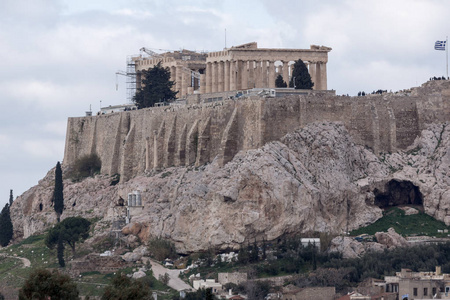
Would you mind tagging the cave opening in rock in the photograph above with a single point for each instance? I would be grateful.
(398, 193)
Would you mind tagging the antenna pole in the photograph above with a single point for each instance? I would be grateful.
(446, 52)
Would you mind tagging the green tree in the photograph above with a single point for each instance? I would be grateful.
(243, 255)
(86, 166)
(58, 197)
(164, 278)
(60, 252)
(156, 87)
(42, 285)
(200, 294)
(161, 249)
(253, 253)
(279, 82)
(123, 287)
(6, 226)
(256, 290)
(11, 199)
(70, 231)
(264, 249)
(300, 76)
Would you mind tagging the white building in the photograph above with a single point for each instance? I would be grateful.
(207, 284)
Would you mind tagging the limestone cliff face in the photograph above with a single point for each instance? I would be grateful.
(313, 179)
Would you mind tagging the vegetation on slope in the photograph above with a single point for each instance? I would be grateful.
(418, 224)
(13, 274)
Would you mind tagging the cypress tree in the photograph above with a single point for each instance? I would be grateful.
(6, 227)
(156, 87)
(11, 200)
(279, 82)
(58, 197)
(300, 76)
(60, 252)
(253, 252)
(264, 248)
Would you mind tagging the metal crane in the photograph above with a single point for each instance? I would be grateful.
(150, 52)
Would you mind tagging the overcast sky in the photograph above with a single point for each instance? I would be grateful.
(58, 57)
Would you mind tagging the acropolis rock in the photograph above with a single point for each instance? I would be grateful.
(316, 178)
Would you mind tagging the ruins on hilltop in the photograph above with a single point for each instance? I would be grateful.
(237, 68)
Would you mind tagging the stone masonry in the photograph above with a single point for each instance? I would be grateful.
(132, 142)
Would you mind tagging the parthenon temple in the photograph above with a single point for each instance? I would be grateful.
(237, 68)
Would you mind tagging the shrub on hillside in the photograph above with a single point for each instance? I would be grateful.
(161, 249)
(86, 166)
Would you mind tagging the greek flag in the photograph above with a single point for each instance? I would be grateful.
(440, 45)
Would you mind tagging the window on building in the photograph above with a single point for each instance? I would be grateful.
(425, 291)
(415, 291)
(434, 291)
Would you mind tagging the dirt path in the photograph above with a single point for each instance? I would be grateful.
(175, 282)
(26, 262)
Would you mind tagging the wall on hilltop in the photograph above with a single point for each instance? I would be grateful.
(131, 142)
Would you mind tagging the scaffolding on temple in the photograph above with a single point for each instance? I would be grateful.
(130, 75)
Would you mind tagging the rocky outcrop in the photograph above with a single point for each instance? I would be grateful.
(350, 248)
(409, 210)
(314, 179)
(136, 255)
(391, 239)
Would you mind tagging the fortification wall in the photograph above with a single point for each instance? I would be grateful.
(131, 142)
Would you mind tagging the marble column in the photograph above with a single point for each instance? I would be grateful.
(244, 75)
(173, 73)
(139, 80)
(214, 78)
(179, 70)
(264, 75)
(318, 82)
(239, 75)
(271, 74)
(220, 76)
(323, 76)
(202, 88)
(258, 74)
(251, 74)
(286, 72)
(208, 72)
(291, 70)
(312, 73)
(227, 76)
(232, 75)
(184, 82)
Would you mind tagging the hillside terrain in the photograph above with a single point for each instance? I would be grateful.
(315, 179)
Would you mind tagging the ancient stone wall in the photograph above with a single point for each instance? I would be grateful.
(102, 264)
(132, 142)
(235, 277)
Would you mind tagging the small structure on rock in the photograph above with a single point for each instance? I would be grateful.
(134, 202)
